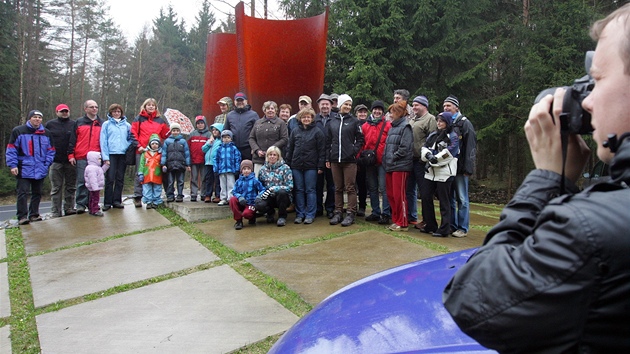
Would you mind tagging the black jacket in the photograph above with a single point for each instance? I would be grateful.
(398, 155)
(60, 131)
(554, 275)
(467, 145)
(344, 139)
(307, 148)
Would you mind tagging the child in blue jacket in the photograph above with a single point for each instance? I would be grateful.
(212, 177)
(227, 162)
(246, 188)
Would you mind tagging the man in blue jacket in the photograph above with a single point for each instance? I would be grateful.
(29, 153)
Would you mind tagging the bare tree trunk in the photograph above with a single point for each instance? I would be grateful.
(72, 49)
(525, 12)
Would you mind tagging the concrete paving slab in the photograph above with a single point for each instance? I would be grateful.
(5, 340)
(5, 303)
(79, 271)
(69, 230)
(212, 311)
(3, 244)
(317, 270)
(263, 235)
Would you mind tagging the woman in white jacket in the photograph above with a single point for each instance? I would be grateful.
(440, 153)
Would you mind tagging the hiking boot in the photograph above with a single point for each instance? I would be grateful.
(193, 198)
(207, 199)
(291, 208)
(35, 218)
(70, 212)
(384, 220)
(281, 222)
(348, 220)
(179, 199)
(238, 225)
(119, 206)
(137, 202)
(24, 221)
(106, 207)
(270, 219)
(80, 209)
(216, 199)
(361, 212)
(336, 219)
(55, 215)
(372, 217)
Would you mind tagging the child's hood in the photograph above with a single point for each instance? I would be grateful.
(217, 126)
(152, 138)
(93, 157)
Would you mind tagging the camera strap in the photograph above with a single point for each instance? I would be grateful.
(564, 140)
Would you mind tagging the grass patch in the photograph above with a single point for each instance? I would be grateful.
(24, 336)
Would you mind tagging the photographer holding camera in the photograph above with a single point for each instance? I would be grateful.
(440, 154)
(554, 275)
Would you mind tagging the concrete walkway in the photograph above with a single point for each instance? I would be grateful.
(132, 281)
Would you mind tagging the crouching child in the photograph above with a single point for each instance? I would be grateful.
(246, 188)
(150, 173)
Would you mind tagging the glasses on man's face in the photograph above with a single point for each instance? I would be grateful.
(64, 111)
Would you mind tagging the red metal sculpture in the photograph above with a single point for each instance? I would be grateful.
(267, 59)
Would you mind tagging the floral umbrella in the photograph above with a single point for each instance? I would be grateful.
(175, 116)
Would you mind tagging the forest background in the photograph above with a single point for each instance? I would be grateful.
(494, 55)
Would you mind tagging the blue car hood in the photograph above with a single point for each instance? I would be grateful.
(395, 311)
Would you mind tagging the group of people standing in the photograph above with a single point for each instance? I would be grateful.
(390, 154)
(387, 153)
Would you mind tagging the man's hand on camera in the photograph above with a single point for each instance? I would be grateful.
(545, 143)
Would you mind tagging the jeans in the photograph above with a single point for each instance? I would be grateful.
(412, 192)
(460, 201)
(152, 193)
(362, 190)
(63, 186)
(138, 188)
(197, 179)
(82, 191)
(175, 176)
(327, 179)
(26, 187)
(376, 185)
(114, 180)
(305, 186)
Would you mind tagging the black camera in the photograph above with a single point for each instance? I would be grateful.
(431, 158)
(573, 118)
